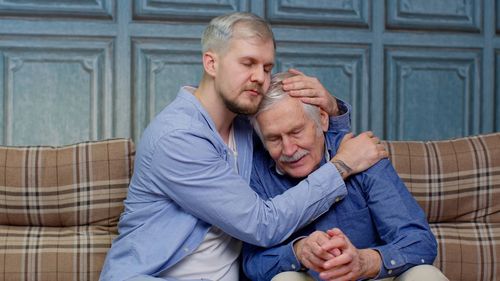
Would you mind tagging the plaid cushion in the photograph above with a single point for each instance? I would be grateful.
(59, 207)
(80, 184)
(457, 183)
(53, 253)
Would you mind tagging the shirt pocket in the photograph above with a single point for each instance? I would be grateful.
(357, 224)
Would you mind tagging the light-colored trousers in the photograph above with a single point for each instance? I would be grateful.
(418, 273)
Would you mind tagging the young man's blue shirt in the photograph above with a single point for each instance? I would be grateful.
(378, 212)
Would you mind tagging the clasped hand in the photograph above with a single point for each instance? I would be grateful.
(335, 257)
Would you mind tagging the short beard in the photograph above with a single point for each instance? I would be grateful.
(236, 108)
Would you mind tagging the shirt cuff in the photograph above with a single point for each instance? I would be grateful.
(341, 122)
(289, 260)
(393, 263)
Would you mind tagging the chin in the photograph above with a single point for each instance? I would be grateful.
(298, 173)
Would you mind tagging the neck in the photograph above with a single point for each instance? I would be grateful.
(214, 105)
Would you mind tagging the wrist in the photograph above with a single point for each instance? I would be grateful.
(297, 251)
(297, 245)
(343, 169)
(371, 262)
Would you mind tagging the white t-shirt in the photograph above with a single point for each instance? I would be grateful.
(217, 256)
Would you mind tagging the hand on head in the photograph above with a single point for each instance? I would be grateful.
(310, 90)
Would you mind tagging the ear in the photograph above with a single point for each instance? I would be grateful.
(325, 120)
(210, 62)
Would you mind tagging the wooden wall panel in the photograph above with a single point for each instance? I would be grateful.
(83, 9)
(189, 10)
(460, 15)
(432, 94)
(92, 69)
(56, 91)
(161, 68)
(297, 12)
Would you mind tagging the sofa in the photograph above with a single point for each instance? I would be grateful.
(59, 206)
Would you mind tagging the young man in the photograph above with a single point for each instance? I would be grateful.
(376, 231)
(189, 195)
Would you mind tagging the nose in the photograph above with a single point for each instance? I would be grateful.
(258, 75)
(289, 147)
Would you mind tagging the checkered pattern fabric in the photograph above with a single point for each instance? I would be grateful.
(457, 183)
(59, 207)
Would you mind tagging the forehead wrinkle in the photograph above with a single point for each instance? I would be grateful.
(290, 108)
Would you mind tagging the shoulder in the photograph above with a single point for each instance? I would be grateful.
(180, 125)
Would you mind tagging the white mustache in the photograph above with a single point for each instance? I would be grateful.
(296, 156)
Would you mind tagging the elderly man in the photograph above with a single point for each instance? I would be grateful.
(377, 231)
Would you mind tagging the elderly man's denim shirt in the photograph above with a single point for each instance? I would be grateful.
(378, 212)
(184, 181)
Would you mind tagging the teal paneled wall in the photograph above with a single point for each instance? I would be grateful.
(412, 69)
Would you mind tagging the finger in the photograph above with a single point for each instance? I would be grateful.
(314, 263)
(307, 264)
(383, 154)
(298, 83)
(335, 231)
(332, 245)
(338, 273)
(295, 71)
(313, 101)
(302, 93)
(335, 252)
(295, 85)
(368, 134)
(322, 248)
(347, 137)
(376, 140)
(341, 260)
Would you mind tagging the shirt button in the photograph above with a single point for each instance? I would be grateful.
(293, 266)
(389, 271)
(337, 199)
(393, 262)
(422, 260)
(186, 249)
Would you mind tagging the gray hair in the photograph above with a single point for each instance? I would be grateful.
(222, 28)
(276, 94)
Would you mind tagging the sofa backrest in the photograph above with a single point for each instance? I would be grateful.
(74, 185)
(453, 180)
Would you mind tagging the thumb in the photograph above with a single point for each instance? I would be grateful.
(334, 232)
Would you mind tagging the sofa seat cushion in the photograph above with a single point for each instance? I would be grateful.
(468, 250)
(53, 253)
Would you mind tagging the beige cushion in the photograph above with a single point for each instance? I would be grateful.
(59, 207)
